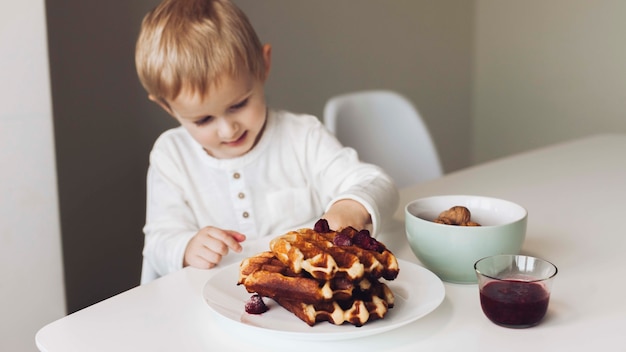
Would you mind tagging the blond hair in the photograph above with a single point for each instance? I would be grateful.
(191, 44)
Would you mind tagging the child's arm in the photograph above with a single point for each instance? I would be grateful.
(207, 247)
(173, 237)
(359, 194)
(348, 212)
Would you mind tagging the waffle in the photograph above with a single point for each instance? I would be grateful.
(323, 275)
(316, 254)
(365, 306)
(269, 277)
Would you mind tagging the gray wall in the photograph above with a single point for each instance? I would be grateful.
(546, 72)
(422, 49)
(105, 126)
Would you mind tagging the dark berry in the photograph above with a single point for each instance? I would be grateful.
(374, 245)
(255, 305)
(341, 239)
(361, 238)
(364, 240)
(321, 226)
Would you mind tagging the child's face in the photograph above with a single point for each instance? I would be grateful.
(229, 120)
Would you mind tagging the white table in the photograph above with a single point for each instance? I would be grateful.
(575, 194)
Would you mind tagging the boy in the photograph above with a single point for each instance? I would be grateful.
(234, 169)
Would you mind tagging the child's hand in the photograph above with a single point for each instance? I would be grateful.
(347, 212)
(206, 248)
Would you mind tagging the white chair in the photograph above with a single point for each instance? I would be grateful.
(385, 129)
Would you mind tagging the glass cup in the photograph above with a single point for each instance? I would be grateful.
(514, 289)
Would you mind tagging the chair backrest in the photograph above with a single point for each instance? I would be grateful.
(387, 130)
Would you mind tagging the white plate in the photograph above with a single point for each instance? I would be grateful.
(417, 292)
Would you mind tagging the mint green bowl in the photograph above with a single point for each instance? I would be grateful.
(451, 251)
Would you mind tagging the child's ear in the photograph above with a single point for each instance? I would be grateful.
(267, 57)
(162, 103)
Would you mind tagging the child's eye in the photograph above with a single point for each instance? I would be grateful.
(203, 120)
(240, 105)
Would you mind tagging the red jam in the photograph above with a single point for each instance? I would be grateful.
(514, 303)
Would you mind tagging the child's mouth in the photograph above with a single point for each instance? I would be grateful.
(239, 141)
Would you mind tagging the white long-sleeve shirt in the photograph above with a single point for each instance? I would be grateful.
(287, 181)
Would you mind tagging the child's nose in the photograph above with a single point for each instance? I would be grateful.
(228, 128)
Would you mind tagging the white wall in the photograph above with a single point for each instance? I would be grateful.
(547, 71)
(31, 282)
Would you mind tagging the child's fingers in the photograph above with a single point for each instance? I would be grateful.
(199, 253)
(206, 260)
(239, 237)
(229, 238)
(209, 245)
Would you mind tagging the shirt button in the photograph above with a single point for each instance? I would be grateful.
(236, 175)
(245, 214)
(241, 195)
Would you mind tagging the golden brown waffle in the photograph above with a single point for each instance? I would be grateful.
(269, 277)
(316, 254)
(365, 306)
(323, 275)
